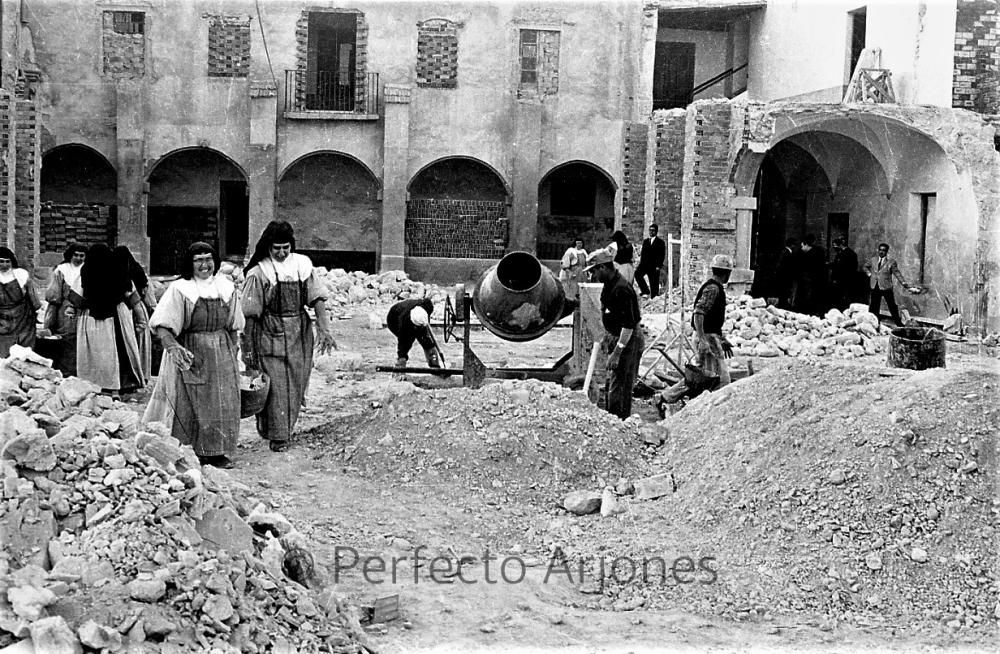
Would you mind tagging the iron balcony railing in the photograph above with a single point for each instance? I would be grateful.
(320, 90)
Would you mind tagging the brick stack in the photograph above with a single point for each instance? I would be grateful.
(87, 224)
(708, 223)
(977, 56)
(669, 175)
(26, 183)
(634, 156)
(437, 54)
(228, 46)
(474, 229)
(124, 54)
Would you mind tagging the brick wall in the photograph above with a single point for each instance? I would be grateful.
(977, 56)
(548, 62)
(6, 168)
(634, 180)
(437, 54)
(708, 223)
(475, 229)
(228, 46)
(62, 224)
(26, 183)
(669, 175)
(124, 55)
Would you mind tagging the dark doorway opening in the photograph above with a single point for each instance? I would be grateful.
(837, 226)
(331, 61)
(673, 74)
(859, 29)
(234, 214)
(174, 229)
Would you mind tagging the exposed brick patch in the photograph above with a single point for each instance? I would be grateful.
(26, 183)
(708, 223)
(228, 46)
(124, 43)
(977, 56)
(6, 155)
(474, 229)
(437, 53)
(539, 62)
(62, 224)
(634, 151)
(263, 88)
(669, 175)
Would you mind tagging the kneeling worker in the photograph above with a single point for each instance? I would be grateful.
(409, 320)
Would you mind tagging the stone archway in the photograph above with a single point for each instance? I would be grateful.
(78, 195)
(457, 208)
(575, 200)
(333, 201)
(196, 194)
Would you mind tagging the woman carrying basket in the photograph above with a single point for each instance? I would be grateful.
(279, 340)
(197, 392)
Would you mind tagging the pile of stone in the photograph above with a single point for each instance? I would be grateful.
(352, 289)
(115, 537)
(757, 329)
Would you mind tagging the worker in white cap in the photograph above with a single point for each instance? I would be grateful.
(410, 320)
(711, 349)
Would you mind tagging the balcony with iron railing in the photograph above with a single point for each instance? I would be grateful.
(331, 95)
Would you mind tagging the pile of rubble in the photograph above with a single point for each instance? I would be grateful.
(757, 329)
(115, 537)
(523, 440)
(829, 492)
(351, 289)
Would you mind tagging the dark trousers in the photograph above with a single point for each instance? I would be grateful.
(653, 275)
(621, 380)
(890, 301)
(406, 337)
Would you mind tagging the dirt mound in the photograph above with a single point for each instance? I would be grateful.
(842, 491)
(525, 440)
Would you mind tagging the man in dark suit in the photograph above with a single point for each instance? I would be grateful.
(654, 250)
(881, 269)
(843, 273)
(786, 273)
(810, 296)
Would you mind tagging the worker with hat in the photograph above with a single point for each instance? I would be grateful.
(623, 341)
(409, 321)
(711, 349)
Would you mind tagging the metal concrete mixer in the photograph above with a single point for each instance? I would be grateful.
(518, 300)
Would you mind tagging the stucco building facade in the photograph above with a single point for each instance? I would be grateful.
(435, 137)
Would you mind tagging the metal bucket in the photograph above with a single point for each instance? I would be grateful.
(916, 348)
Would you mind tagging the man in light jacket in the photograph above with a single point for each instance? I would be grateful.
(881, 269)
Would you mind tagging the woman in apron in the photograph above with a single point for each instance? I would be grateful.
(107, 352)
(278, 338)
(60, 317)
(18, 304)
(571, 269)
(197, 391)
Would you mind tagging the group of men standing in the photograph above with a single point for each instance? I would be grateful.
(805, 282)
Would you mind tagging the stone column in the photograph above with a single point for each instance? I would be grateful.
(745, 207)
(262, 165)
(131, 148)
(395, 171)
(527, 146)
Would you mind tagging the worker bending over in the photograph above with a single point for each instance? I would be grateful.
(409, 321)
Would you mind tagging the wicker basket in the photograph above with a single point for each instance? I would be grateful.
(252, 400)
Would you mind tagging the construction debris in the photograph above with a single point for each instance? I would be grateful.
(115, 537)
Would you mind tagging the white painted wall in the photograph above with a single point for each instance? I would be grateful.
(799, 49)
